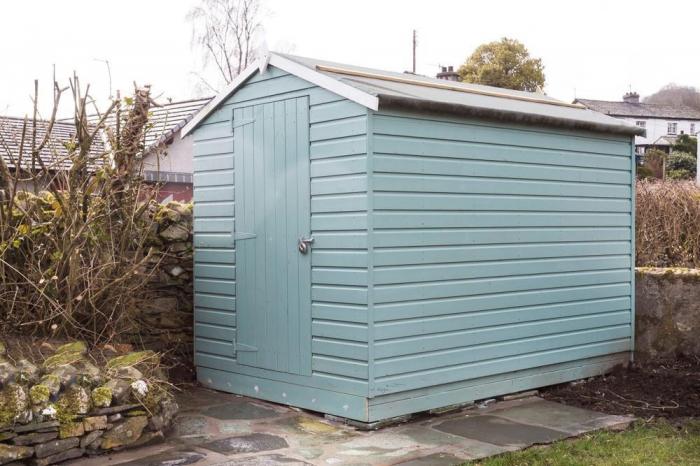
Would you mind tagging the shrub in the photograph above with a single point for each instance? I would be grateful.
(644, 172)
(667, 224)
(681, 165)
(72, 257)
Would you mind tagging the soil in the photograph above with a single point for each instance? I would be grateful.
(668, 389)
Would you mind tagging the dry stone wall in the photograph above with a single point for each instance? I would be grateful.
(165, 319)
(67, 407)
(667, 306)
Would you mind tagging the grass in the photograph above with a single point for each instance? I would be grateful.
(657, 443)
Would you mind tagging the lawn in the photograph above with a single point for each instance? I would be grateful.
(655, 443)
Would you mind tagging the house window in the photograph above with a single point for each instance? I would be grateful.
(692, 128)
(642, 123)
(673, 128)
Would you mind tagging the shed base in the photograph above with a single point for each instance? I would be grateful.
(372, 412)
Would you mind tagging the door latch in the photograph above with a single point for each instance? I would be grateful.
(305, 244)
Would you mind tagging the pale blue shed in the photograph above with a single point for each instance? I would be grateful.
(371, 244)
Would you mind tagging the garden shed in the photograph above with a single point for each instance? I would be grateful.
(371, 244)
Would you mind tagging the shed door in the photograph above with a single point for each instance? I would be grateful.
(272, 209)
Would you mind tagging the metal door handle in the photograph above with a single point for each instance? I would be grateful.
(305, 244)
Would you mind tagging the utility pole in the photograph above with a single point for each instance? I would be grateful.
(414, 52)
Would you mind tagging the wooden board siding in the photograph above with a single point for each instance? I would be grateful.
(338, 222)
(496, 249)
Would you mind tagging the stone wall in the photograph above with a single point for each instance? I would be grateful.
(66, 406)
(165, 318)
(667, 312)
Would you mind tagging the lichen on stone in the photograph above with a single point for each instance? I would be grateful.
(131, 359)
(39, 394)
(102, 397)
(73, 347)
(61, 359)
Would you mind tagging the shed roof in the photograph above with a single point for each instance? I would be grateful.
(642, 110)
(54, 154)
(377, 88)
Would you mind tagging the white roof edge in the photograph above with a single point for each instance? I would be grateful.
(344, 90)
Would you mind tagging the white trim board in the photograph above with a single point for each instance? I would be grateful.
(337, 87)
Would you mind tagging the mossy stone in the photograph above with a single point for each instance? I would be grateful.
(14, 403)
(3, 349)
(73, 347)
(102, 397)
(131, 359)
(62, 359)
(28, 372)
(39, 394)
(52, 382)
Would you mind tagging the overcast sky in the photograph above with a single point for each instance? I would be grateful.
(591, 49)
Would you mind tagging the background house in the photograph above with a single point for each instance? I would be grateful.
(167, 156)
(663, 123)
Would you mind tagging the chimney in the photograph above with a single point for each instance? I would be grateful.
(448, 73)
(631, 98)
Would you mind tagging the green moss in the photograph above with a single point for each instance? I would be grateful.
(130, 359)
(73, 347)
(39, 394)
(12, 404)
(102, 396)
(60, 359)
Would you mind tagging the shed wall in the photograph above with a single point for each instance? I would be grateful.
(496, 249)
(338, 168)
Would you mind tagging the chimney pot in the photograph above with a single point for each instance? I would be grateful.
(631, 98)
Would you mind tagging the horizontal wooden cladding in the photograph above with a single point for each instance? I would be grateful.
(450, 254)
(339, 294)
(340, 349)
(404, 219)
(216, 332)
(502, 268)
(340, 128)
(490, 169)
(339, 221)
(478, 202)
(225, 302)
(454, 373)
(498, 135)
(340, 109)
(215, 286)
(492, 350)
(430, 325)
(501, 152)
(439, 346)
(503, 236)
(213, 178)
(470, 287)
(346, 165)
(339, 203)
(213, 162)
(214, 209)
(224, 271)
(213, 225)
(209, 147)
(339, 276)
(341, 240)
(331, 148)
(497, 301)
(468, 185)
(215, 255)
(214, 240)
(342, 367)
(206, 345)
(338, 312)
(331, 258)
(215, 317)
(339, 184)
(213, 194)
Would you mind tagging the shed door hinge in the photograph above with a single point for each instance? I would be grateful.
(242, 347)
(241, 122)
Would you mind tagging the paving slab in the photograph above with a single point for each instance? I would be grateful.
(239, 409)
(436, 459)
(252, 443)
(217, 429)
(266, 460)
(557, 416)
(179, 458)
(500, 431)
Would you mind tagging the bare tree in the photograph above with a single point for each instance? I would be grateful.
(674, 94)
(226, 32)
